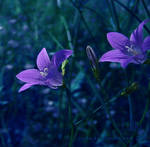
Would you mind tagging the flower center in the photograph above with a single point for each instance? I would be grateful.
(132, 50)
(45, 73)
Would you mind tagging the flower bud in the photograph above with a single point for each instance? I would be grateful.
(132, 87)
(92, 57)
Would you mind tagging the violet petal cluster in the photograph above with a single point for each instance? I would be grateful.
(126, 50)
(47, 73)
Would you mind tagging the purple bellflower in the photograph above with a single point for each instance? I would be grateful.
(47, 73)
(126, 50)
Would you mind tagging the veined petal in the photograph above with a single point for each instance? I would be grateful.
(146, 44)
(51, 86)
(60, 56)
(25, 87)
(30, 76)
(43, 60)
(137, 35)
(114, 56)
(54, 77)
(117, 40)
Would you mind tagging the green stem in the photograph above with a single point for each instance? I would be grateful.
(134, 10)
(94, 11)
(115, 15)
(1, 135)
(106, 107)
(129, 11)
(144, 113)
(84, 22)
(111, 118)
(56, 41)
(145, 7)
(131, 113)
(142, 119)
(130, 105)
(70, 116)
(71, 136)
(90, 114)
(67, 32)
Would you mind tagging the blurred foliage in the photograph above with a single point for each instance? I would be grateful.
(38, 117)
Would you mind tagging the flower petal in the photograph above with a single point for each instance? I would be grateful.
(114, 56)
(30, 76)
(25, 87)
(137, 35)
(52, 87)
(60, 56)
(54, 77)
(125, 62)
(146, 44)
(43, 60)
(117, 40)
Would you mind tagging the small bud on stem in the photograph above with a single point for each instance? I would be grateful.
(92, 57)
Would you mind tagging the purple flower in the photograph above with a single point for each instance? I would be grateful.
(126, 50)
(47, 73)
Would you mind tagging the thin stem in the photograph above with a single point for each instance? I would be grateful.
(84, 22)
(94, 11)
(131, 117)
(108, 5)
(102, 90)
(56, 41)
(131, 113)
(129, 11)
(71, 136)
(130, 105)
(1, 135)
(89, 115)
(70, 115)
(115, 15)
(134, 10)
(111, 118)
(145, 7)
(144, 113)
(142, 118)
(67, 32)
(106, 107)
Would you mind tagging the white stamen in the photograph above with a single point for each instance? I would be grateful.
(131, 50)
(45, 73)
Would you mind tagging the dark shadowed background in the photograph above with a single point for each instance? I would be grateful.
(38, 117)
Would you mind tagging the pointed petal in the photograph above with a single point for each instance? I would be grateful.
(30, 76)
(60, 56)
(25, 87)
(146, 44)
(54, 77)
(43, 60)
(137, 35)
(114, 56)
(125, 62)
(52, 87)
(117, 40)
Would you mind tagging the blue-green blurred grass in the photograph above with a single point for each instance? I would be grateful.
(37, 117)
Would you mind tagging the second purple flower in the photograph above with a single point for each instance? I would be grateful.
(126, 50)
